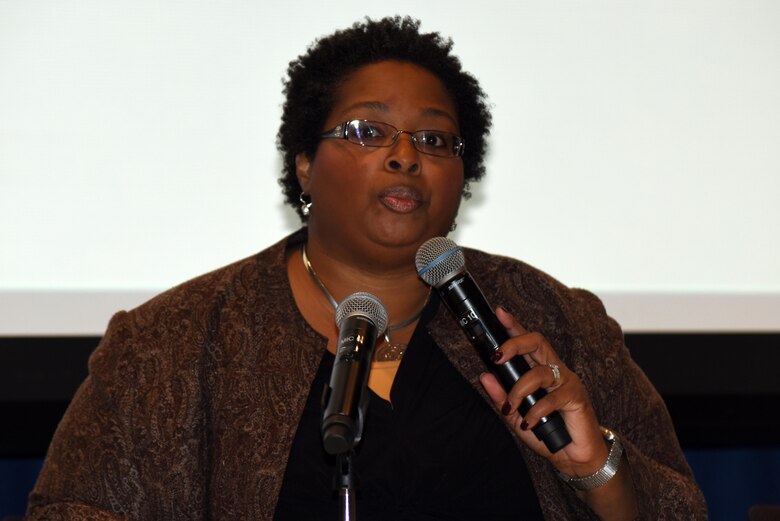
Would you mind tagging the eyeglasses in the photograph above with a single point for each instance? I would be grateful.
(377, 134)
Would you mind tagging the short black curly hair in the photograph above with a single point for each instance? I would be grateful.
(314, 77)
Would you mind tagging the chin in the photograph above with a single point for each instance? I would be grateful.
(409, 239)
(407, 232)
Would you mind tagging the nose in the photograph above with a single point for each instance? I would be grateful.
(403, 157)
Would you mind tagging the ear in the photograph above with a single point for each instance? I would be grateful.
(303, 171)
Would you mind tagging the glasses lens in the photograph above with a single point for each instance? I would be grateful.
(370, 133)
(437, 143)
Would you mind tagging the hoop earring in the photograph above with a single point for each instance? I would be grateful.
(305, 206)
(453, 226)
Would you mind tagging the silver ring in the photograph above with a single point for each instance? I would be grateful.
(556, 374)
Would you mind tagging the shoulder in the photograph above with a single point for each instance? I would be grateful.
(249, 278)
(505, 275)
(191, 316)
(573, 319)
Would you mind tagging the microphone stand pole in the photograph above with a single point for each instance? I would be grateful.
(345, 482)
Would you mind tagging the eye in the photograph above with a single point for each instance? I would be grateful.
(370, 132)
(433, 139)
(373, 130)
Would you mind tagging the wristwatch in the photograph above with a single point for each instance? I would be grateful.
(606, 472)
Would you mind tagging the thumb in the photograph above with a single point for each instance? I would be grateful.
(493, 388)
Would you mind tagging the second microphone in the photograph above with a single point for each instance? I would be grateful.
(361, 317)
(440, 263)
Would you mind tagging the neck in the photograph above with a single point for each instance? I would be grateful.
(400, 290)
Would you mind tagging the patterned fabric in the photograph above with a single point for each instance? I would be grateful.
(193, 399)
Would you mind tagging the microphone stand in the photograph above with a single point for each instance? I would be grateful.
(345, 483)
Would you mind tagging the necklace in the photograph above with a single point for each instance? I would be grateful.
(386, 352)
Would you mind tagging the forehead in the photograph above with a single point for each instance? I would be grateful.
(394, 87)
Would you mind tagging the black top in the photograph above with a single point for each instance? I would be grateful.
(438, 452)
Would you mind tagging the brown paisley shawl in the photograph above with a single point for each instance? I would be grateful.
(193, 398)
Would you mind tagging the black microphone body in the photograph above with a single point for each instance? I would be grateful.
(476, 318)
(360, 317)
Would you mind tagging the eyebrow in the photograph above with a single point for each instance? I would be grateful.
(382, 107)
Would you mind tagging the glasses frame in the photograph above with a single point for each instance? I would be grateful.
(341, 132)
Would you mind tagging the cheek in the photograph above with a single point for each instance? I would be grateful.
(332, 174)
(456, 188)
(451, 190)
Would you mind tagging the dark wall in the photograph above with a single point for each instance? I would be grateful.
(721, 389)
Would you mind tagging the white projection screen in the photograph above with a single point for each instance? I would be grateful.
(635, 149)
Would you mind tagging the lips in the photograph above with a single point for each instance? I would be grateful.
(401, 199)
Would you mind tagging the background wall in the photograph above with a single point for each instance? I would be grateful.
(634, 150)
(634, 153)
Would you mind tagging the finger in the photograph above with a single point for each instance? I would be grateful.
(532, 345)
(499, 398)
(547, 405)
(555, 370)
(568, 397)
(539, 377)
(510, 414)
(513, 327)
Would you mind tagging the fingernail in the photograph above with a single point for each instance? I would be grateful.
(497, 354)
(524, 425)
(506, 409)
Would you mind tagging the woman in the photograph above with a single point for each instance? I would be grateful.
(204, 403)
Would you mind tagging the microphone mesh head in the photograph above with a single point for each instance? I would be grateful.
(366, 305)
(438, 259)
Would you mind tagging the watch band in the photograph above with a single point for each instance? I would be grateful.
(606, 472)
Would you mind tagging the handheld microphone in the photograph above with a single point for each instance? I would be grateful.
(441, 264)
(361, 317)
